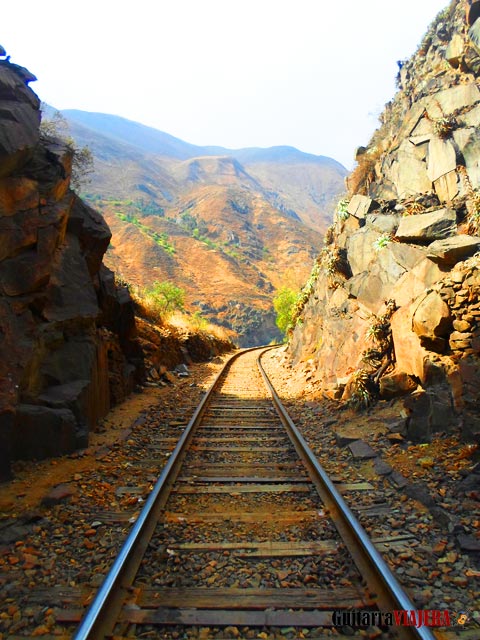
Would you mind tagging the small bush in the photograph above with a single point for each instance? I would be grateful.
(342, 209)
(362, 395)
(443, 127)
(284, 303)
(382, 242)
(163, 298)
(56, 128)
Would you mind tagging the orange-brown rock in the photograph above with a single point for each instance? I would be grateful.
(432, 318)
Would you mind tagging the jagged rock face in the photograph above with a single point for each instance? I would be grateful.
(67, 346)
(20, 120)
(410, 235)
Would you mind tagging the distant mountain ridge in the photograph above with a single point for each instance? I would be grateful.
(228, 226)
(152, 140)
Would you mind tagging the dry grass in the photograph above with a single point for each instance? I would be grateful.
(196, 324)
(179, 321)
(358, 182)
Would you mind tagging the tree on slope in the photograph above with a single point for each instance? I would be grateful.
(283, 304)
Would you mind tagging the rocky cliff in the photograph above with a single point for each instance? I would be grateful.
(67, 333)
(393, 306)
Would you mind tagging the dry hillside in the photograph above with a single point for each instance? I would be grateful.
(229, 227)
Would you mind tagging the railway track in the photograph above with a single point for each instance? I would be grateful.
(243, 534)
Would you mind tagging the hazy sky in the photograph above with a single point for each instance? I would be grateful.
(313, 74)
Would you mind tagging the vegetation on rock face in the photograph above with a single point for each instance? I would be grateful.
(305, 294)
(362, 391)
(376, 360)
(472, 203)
(444, 127)
(342, 209)
(382, 241)
(163, 298)
(56, 128)
(284, 303)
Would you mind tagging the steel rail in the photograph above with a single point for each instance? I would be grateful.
(101, 616)
(370, 563)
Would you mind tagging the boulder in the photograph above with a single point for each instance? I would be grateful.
(51, 166)
(414, 282)
(454, 51)
(345, 436)
(432, 317)
(447, 186)
(373, 287)
(443, 417)
(360, 205)
(17, 232)
(410, 355)
(441, 158)
(42, 432)
(396, 258)
(58, 494)
(369, 289)
(383, 223)
(361, 250)
(469, 542)
(419, 408)
(396, 384)
(454, 249)
(397, 425)
(361, 450)
(424, 228)
(71, 360)
(409, 172)
(470, 149)
(445, 102)
(467, 123)
(381, 467)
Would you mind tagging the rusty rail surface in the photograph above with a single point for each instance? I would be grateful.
(104, 612)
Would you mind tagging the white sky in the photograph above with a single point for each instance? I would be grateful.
(313, 74)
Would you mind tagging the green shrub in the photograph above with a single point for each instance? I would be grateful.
(342, 209)
(382, 242)
(164, 298)
(284, 303)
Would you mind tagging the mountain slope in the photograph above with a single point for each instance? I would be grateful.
(230, 227)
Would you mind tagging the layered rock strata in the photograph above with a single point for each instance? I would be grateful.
(396, 298)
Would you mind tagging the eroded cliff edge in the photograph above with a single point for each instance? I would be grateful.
(393, 305)
(67, 333)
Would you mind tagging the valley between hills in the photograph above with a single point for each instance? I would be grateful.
(230, 227)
